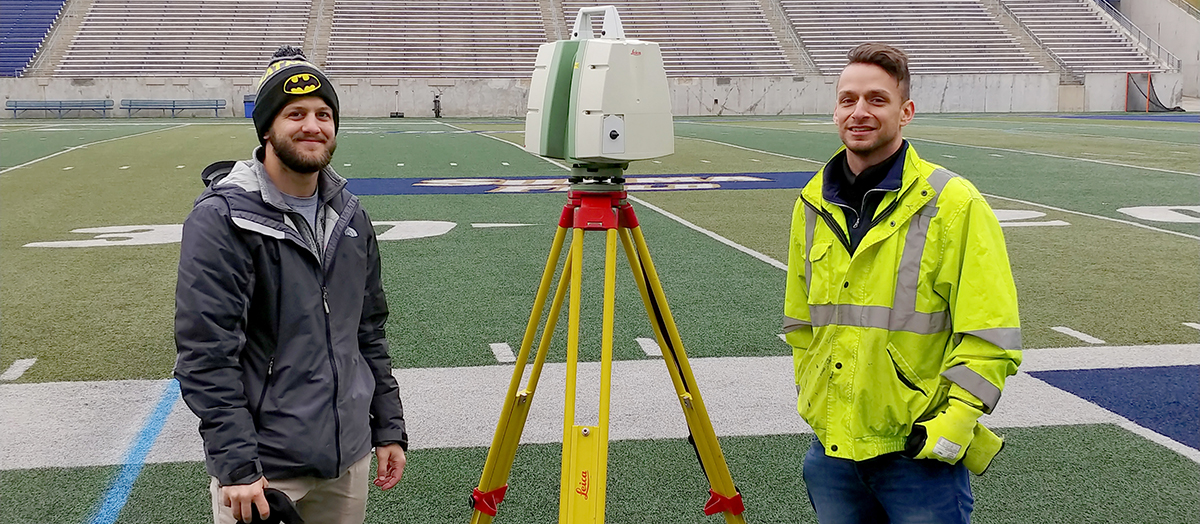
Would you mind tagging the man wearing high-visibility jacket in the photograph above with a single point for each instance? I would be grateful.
(901, 312)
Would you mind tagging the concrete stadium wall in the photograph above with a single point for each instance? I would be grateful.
(1173, 28)
(377, 97)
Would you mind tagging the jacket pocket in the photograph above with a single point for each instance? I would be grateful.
(904, 372)
(822, 273)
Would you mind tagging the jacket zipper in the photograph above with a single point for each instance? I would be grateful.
(831, 222)
(337, 423)
(262, 397)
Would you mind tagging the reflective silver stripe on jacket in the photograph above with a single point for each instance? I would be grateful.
(975, 384)
(903, 315)
(791, 324)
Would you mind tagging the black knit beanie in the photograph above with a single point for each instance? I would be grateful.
(290, 75)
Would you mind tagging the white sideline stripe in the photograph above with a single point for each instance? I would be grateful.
(69, 149)
(735, 146)
(744, 396)
(1077, 334)
(649, 347)
(1192, 325)
(503, 352)
(18, 368)
(1098, 217)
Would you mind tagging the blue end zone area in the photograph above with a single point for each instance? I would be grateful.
(1150, 117)
(1163, 399)
(479, 186)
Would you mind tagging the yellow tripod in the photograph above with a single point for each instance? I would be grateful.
(597, 206)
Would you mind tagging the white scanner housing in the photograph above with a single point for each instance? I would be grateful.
(599, 100)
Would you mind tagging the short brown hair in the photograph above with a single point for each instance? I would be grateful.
(888, 58)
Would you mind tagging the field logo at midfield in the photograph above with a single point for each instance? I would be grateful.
(544, 185)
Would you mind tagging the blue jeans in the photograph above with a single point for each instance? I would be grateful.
(890, 489)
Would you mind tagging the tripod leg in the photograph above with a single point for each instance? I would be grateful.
(724, 496)
(585, 448)
(493, 481)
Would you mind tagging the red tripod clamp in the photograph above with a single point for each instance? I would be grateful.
(597, 210)
(487, 502)
(718, 503)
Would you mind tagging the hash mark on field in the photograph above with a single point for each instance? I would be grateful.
(68, 168)
(18, 368)
(649, 346)
(755, 160)
(995, 155)
(123, 167)
(504, 163)
(1192, 325)
(180, 167)
(1077, 334)
(949, 156)
(503, 352)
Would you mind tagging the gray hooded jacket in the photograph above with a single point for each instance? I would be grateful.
(281, 348)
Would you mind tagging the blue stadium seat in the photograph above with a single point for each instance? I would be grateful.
(25, 25)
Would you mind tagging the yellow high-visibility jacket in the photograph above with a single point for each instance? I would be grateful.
(925, 305)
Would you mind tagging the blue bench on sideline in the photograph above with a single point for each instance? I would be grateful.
(174, 106)
(60, 107)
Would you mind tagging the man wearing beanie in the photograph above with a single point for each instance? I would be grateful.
(279, 318)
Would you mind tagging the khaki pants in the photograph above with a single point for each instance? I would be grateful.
(342, 500)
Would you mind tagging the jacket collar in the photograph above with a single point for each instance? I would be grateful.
(832, 181)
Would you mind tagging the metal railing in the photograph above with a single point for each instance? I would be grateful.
(1143, 40)
(1041, 45)
(1191, 9)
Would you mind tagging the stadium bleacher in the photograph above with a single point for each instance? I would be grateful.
(499, 38)
(700, 37)
(182, 38)
(438, 38)
(23, 28)
(940, 36)
(1081, 36)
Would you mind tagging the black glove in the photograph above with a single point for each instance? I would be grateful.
(283, 511)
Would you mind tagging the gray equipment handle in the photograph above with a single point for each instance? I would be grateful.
(611, 28)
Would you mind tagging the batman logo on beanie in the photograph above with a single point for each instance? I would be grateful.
(301, 84)
(290, 75)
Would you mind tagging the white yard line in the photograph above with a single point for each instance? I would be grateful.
(69, 149)
(735, 146)
(710, 234)
(1077, 334)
